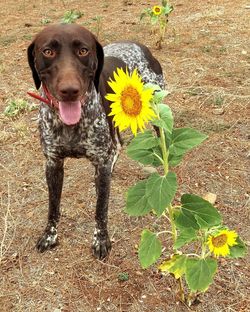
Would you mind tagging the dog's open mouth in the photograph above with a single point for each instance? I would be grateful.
(70, 112)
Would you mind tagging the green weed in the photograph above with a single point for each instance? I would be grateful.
(71, 16)
(18, 106)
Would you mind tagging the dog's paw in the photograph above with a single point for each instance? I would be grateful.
(48, 240)
(101, 245)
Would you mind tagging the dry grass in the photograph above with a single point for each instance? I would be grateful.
(8, 227)
(206, 63)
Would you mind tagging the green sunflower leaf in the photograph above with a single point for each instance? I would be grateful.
(143, 140)
(199, 273)
(183, 140)
(149, 249)
(239, 250)
(137, 202)
(159, 96)
(174, 160)
(154, 19)
(196, 213)
(143, 149)
(176, 265)
(185, 236)
(166, 118)
(152, 86)
(144, 156)
(167, 9)
(160, 191)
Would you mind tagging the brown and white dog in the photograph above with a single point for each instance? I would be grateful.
(71, 69)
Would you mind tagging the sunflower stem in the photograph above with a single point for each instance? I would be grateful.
(164, 151)
(193, 255)
(182, 295)
(170, 208)
(203, 249)
(173, 227)
(163, 232)
(160, 159)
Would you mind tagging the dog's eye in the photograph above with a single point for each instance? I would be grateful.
(83, 52)
(49, 53)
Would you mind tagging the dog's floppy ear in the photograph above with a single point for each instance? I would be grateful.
(100, 60)
(31, 61)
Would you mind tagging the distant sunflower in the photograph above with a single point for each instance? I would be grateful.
(219, 244)
(131, 101)
(157, 10)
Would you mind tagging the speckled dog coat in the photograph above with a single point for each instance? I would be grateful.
(72, 69)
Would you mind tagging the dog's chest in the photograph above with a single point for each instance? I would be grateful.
(89, 138)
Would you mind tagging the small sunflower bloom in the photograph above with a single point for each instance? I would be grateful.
(157, 10)
(131, 101)
(220, 243)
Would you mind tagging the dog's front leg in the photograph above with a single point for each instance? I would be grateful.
(101, 242)
(54, 177)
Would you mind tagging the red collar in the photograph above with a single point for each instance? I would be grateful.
(48, 99)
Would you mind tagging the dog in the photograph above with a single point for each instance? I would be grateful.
(71, 69)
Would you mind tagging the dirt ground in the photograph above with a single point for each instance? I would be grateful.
(205, 59)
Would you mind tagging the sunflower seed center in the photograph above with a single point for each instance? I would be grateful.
(219, 241)
(131, 101)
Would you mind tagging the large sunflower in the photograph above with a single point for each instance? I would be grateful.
(131, 101)
(219, 244)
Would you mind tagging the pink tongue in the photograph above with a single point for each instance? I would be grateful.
(70, 112)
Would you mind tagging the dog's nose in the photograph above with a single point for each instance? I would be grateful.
(70, 92)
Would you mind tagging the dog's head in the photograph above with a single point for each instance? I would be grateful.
(66, 59)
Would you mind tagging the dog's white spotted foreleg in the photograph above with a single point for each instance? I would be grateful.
(48, 240)
(101, 243)
(54, 176)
